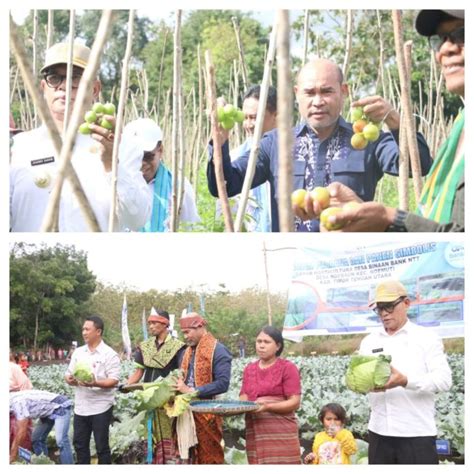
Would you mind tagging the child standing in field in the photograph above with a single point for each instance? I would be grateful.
(335, 444)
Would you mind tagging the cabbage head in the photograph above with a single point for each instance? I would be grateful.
(368, 372)
(83, 372)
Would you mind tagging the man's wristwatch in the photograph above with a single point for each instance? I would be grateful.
(398, 224)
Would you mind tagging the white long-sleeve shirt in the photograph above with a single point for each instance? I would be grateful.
(33, 169)
(417, 352)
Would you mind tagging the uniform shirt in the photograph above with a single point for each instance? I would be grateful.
(417, 352)
(318, 163)
(105, 364)
(33, 169)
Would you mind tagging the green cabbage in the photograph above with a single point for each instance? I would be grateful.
(156, 394)
(83, 372)
(368, 372)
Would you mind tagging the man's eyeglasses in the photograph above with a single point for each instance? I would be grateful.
(456, 37)
(55, 80)
(387, 307)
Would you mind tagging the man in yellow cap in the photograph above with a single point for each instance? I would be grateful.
(34, 161)
(156, 357)
(402, 427)
(206, 369)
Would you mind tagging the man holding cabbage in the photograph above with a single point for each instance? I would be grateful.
(402, 427)
(94, 371)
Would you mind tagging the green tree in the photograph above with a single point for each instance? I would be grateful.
(49, 292)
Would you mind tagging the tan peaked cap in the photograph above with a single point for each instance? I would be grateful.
(388, 291)
(59, 54)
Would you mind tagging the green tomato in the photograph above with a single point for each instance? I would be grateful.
(239, 116)
(356, 114)
(109, 108)
(90, 116)
(84, 128)
(98, 108)
(220, 114)
(106, 124)
(227, 123)
(371, 132)
(229, 111)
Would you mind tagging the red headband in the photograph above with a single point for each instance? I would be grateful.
(159, 319)
(192, 321)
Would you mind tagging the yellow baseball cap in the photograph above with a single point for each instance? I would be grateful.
(388, 291)
(59, 54)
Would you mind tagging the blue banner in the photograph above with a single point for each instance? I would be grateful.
(331, 289)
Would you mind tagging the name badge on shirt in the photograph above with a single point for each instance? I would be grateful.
(379, 349)
(42, 161)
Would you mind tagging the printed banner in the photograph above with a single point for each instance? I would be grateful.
(330, 290)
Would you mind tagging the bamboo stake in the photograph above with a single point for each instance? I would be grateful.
(406, 104)
(83, 100)
(50, 29)
(241, 52)
(305, 36)
(348, 49)
(35, 61)
(69, 68)
(47, 119)
(262, 105)
(161, 71)
(199, 125)
(175, 126)
(285, 133)
(403, 168)
(219, 170)
(381, 54)
(181, 134)
(119, 119)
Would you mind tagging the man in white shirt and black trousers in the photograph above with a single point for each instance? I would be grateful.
(93, 402)
(402, 428)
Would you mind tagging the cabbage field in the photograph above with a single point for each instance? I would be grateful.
(323, 381)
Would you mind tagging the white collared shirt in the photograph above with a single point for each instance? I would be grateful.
(105, 364)
(33, 170)
(418, 353)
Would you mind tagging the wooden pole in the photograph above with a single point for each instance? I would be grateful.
(70, 55)
(348, 50)
(381, 55)
(262, 105)
(50, 30)
(120, 119)
(305, 36)
(403, 167)
(218, 167)
(241, 52)
(47, 119)
(406, 104)
(285, 132)
(175, 123)
(35, 61)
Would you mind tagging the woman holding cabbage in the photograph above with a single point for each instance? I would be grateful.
(274, 383)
